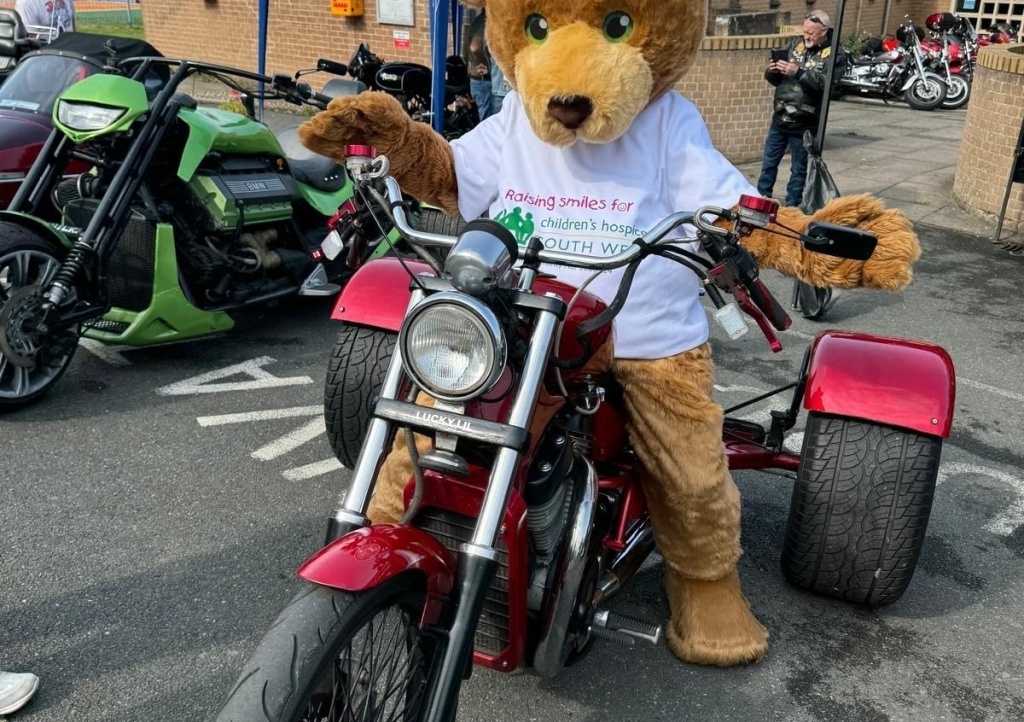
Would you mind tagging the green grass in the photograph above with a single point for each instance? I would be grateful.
(111, 23)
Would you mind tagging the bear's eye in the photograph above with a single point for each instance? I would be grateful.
(618, 26)
(536, 28)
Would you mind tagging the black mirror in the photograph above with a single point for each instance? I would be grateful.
(833, 240)
(329, 66)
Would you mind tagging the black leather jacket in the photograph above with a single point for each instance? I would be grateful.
(798, 98)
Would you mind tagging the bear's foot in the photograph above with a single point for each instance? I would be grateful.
(712, 622)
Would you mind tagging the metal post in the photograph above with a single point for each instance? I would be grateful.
(826, 98)
(438, 54)
(261, 53)
(128, 11)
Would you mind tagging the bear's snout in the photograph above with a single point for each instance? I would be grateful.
(571, 111)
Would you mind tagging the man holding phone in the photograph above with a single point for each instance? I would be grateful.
(798, 72)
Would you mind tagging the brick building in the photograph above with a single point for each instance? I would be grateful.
(725, 81)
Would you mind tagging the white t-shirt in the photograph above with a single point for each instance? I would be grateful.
(57, 15)
(594, 199)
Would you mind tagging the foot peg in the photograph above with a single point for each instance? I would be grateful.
(620, 628)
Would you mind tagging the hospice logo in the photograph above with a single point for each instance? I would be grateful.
(527, 215)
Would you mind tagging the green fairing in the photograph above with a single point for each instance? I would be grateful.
(112, 91)
(324, 203)
(170, 316)
(221, 130)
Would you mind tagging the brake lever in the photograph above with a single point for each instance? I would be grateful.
(724, 277)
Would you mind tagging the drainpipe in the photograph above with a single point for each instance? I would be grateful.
(885, 17)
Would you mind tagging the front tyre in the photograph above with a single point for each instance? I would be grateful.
(34, 352)
(355, 375)
(339, 656)
(958, 92)
(927, 93)
(860, 509)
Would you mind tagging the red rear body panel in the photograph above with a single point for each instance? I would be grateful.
(892, 381)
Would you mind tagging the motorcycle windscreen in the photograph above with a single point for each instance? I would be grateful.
(37, 80)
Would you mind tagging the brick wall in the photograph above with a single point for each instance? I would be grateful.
(994, 118)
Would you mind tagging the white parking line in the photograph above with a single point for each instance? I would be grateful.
(253, 369)
(245, 416)
(1013, 516)
(319, 468)
(992, 389)
(291, 441)
(105, 352)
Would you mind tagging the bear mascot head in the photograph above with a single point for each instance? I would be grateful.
(594, 146)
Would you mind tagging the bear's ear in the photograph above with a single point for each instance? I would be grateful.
(474, 3)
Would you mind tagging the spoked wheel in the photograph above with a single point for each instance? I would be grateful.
(860, 508)
(332, 656)
(355, 375)
(928, 93)
(958, 92)
(33, 354)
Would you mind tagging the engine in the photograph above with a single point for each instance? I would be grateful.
(236, 213)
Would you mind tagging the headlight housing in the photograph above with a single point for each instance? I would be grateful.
(87, 117)
(453, 346)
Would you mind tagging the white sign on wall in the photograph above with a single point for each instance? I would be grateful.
(395, 12)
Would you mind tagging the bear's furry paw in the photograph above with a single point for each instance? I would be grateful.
(375, 119)
(712, 623)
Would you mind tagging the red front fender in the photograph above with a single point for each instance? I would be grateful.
(378, 293)
(892, 381)
(368, 557)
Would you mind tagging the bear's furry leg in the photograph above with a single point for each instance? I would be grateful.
(387, 503)
(676, 430)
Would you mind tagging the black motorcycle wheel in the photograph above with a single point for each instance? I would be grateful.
(860, 508)
(928, 93)
(31, 361)
(334, 655)
(355, 375)
(431, 220)
(958, 92)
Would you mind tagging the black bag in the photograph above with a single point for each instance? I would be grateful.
(819, 189)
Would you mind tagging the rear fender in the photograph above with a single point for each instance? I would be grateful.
(368, 557)
(378, 293)
(892, 381)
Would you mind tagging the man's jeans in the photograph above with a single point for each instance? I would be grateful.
(774, 148)
(481, 92)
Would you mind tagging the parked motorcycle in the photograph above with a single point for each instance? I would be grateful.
(948, 53)
(187, 214)
(895, 71)
(410, 83)
(526, 517)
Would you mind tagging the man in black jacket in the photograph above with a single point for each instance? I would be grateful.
(799, 93)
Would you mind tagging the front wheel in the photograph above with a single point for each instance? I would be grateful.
(958, 92)
(860, 508)
(927, 93)
(355, 375)
(34, 352)
(339, 656)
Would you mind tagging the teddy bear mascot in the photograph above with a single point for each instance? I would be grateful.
(595, 144)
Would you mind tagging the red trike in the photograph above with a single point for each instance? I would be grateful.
(525, 515)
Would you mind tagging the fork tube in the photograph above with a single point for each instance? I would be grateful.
(496, 497)
(352, 507)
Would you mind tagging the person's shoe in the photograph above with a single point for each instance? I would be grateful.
(15, 690)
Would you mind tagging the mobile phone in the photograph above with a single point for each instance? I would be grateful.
(779, 54)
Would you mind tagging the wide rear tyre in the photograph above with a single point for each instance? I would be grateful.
(958, 92)
(339, 656)
(355, 375)
(928, 93)
(31, 361)
(860, 509)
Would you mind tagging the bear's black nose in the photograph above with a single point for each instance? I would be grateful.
(571, 110)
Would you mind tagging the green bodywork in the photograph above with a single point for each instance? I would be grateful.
(170, 316)
(212, 130)
(110, 91)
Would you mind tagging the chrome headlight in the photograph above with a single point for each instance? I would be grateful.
(482, 258)
(453, 346)
(84, 117)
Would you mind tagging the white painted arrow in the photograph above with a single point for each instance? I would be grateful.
(254, 369)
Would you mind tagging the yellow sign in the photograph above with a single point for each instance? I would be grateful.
(347, 8)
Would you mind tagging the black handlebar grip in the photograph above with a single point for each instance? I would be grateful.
(321, 98)
(771, 308)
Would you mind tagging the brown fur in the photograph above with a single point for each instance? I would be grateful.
(673, 422)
